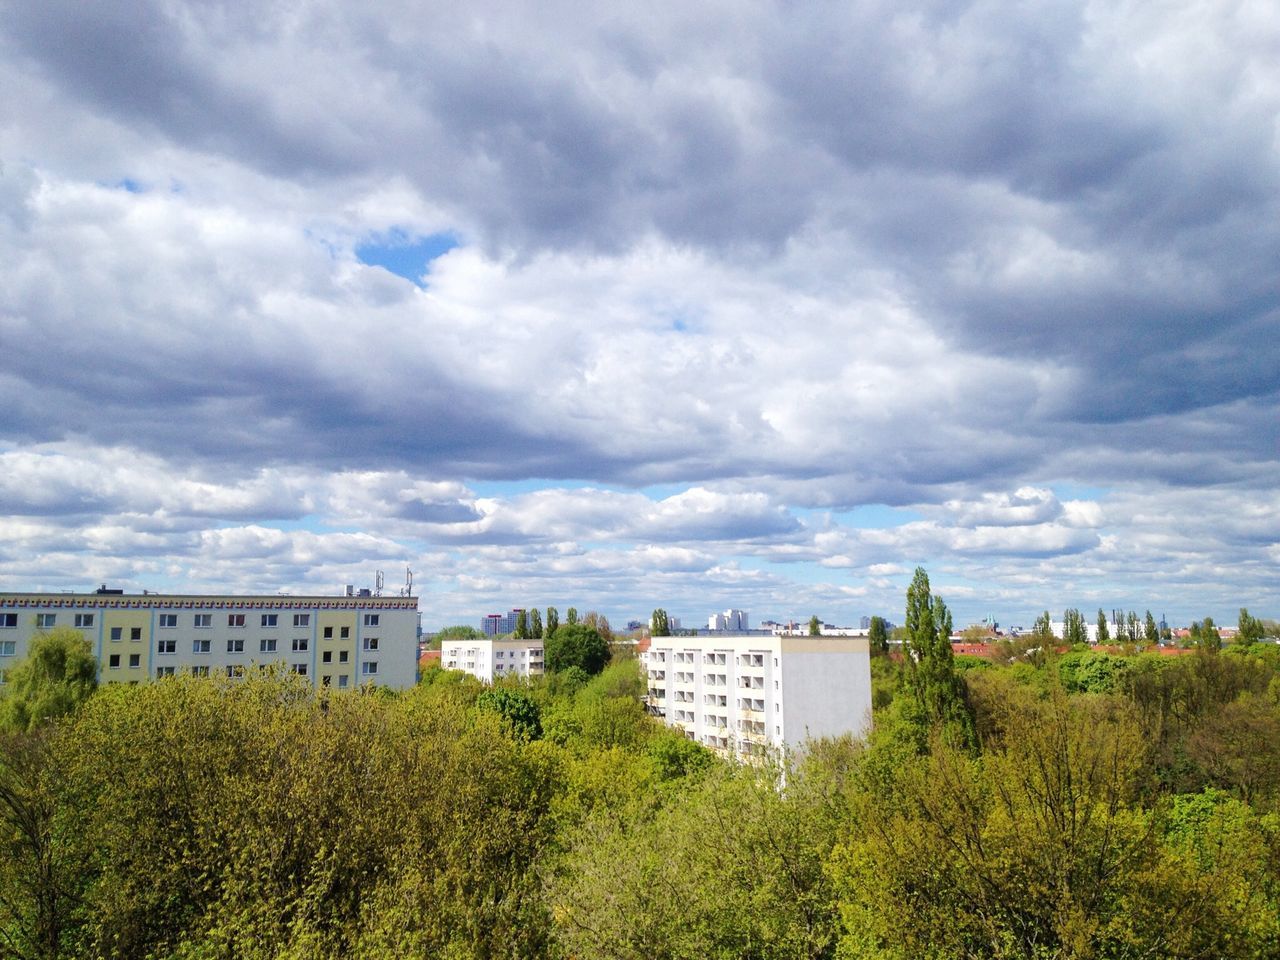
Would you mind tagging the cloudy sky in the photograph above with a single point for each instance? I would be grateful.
(666, 304)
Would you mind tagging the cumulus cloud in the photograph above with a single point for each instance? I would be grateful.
(724, 276)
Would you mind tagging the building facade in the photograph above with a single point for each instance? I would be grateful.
(500, 624)
(489, 660)
(730, 621)
(744, 694)
(334, 641)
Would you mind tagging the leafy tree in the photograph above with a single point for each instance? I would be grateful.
(599, 623)
(522, 626)
(1248, 629)
(931, 677)
(1074, 631)
(1205, 635)
(535, 624)
(815, 626)
(878, 637)
(576, 645)
(571, 616)
(659, 623)
(1104, 632)
(520, 711)
(553, 621)
(1131, 625)
(1150, 632)
(459, 632)
(58, 674)
(1043, 627)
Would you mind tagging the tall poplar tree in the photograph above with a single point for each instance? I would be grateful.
(1104, 634)
(535, 624)
(553, 621)
(522, 626)
(878, 637)
(931, 675)
(659, 624)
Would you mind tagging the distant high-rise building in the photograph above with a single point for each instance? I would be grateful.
(733, 621)
(500, 624)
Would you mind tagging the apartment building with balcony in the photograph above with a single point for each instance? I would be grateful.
(746, 694)
(488, 660)
(338, 641)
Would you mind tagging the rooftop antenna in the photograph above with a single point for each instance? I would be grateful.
(378, 581)
(408, 582)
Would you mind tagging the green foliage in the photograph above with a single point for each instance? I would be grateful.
(522, 626)
(931, 676)
(58, 674)
(459, 632)
(535, 624)
(1074, 631)
(519, 711)
(1104, 632)
(1248, 629)
(1093, 671)
(571, 616)
(815, 626)
(1042, 629)
(553, 622)
(878, 637)
(675, 756)
(1150, 632)
(1205, 636)
(659, 623)
(576, 645)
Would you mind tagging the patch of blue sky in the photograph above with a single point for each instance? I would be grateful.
(405, 255)
(128, 184)
(1078, 491)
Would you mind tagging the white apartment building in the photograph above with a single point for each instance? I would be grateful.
(746, 693)
(338, 641)
(490, 659)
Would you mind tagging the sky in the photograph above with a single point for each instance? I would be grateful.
(693, 306)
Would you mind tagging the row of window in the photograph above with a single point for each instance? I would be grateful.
(46, 621)
(369, 668)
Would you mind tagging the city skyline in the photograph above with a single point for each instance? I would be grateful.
(727, 307)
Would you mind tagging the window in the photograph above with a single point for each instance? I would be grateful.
(200, 646)
(235, 646)
(328, 633)
(113, 661)
(200, 671)
(326, 657)
(204, 620)
(302, 619)
(300, 669)
(371, 643)
(164, 671)
(270, 619)
(267, 646)
(8, 648)
(135, 661)
(342, 680)
(369, 667)
(8, 620)
(167, 646)
(235, 671)
(342, 656)
(117, 633)
(300, 644)
(135, 633)
(45, 620)
(371, 619)
(168, 620)
(344, 633)
(235, 619)
(84, 620)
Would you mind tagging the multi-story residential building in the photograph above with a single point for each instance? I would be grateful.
(490, 659)
(336, 641)
(745, 693)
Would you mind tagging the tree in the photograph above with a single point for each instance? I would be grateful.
(522, 626)
(878, 637)
(553, 621)
(535, 624)
(1150, 632)
(576, 645)
(599, 623)
(58, 674)
(659, 624)
(1103, 633)
(1248, 629)
(1043, 627)
(517, 709)
(1205, 635)
(1073, 628)
(571, 616)
(1131, 625)
(815, 626)
(931, 676)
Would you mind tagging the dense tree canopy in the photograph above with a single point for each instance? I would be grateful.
(58, 673)
(576, 645)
